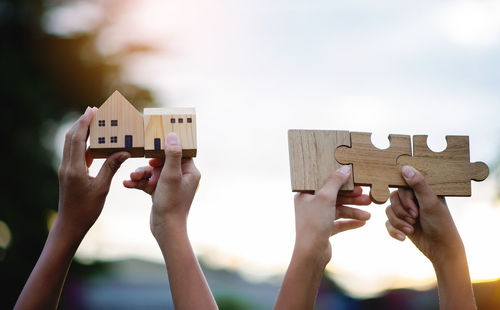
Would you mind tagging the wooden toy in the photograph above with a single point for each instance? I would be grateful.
(449, 173)
(158, 122)
(118, 126)
(312, 157)
(374, 167)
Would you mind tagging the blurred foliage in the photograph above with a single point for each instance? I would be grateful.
(233, 302)
(44, 78)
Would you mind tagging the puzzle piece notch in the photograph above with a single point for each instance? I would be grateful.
(449, 172)
(312, 158)
(375, 167)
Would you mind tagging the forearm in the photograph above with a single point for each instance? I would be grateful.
(302, 279)
(454, 284)
(44, 285)
(188, 285)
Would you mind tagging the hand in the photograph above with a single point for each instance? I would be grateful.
(316, 216)
(172, 185)
(424, 218)
(81, 197)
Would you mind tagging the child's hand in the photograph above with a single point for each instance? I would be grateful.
(81, 197)
(315, 214)
(424, 218)
(315, 222)
(172, 185)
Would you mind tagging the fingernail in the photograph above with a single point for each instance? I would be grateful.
(124, 157)
(407, 229)
(400, 237)
(413, 213)
(345, 170)
(86, 110)
(172, 139)
(408, 172)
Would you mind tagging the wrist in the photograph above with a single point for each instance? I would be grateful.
(315, 253)
(168, 226)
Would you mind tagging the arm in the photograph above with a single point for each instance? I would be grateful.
(172, 185)
(426, 220)
(314, 225)
(81, 199)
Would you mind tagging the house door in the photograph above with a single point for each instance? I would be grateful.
(157, 144)
(128, 141)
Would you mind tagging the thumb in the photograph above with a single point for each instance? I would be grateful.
(424, 193)
(110, 167)
(173, 158)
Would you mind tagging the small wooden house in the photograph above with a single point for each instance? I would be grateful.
(117, 126)
(158, 122)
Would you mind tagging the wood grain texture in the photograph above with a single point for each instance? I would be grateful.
(158, 122)
(375, 167)
(129, 122)
(312, 157)
(449, 172)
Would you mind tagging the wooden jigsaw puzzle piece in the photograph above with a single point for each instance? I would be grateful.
(312, 157)
(375, 167)
(449, 172)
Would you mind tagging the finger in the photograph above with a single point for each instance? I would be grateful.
(340, 226)
(354, 193)
(399, 210)
(109, 168)
(88, 158)
(362, 200)
(425, 195)
(332, 185)
(141, 173)
(398, 223)
(156, 162)
(143, 185)
(351, 213)
(67, 145)
(393, 232)
(407, 199)
(79, 138)
(173, 156)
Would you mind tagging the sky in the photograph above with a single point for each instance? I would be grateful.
(253, 70)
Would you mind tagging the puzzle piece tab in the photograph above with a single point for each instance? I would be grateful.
(375, 167)
(449, 172)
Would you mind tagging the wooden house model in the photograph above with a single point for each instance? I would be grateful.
(158, 122)
(118, 126)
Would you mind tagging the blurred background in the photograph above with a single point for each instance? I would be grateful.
(252, 69)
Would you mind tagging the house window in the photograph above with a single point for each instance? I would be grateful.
(101, 140)
(157, 144)
(114, 139)
(172, 120)
(181, 120)
(102, 123)
(114, 122)
(189, 120)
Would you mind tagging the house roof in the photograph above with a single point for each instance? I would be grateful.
(118, 99)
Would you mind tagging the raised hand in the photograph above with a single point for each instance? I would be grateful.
(424, 217)
(81, 199)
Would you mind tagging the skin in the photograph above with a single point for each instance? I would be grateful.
(81, 199)
(316, 220)
(172, 183)
(424, 217)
